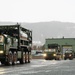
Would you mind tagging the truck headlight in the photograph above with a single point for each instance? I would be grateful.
(70, 55)
(1, 52)
(44, 55)
(54, 54)
(63, 55)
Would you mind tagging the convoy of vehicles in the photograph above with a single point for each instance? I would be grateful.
(53, 52)
(15, 44)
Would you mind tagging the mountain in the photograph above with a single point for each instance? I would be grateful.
(53, 29)
(43, 30)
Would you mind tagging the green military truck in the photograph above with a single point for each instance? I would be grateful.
(52, 52)
(68, 52)
(68, 55)
(15, 44)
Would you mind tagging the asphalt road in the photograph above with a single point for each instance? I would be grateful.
(41, 67)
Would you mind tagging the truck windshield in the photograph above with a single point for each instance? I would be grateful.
(50, 50)
(68, 51)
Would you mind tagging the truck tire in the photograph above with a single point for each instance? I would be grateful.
(70, 58)
(14, 58)
(22, 61)
(9, 59)
(23, 57)
(28, 57)
(64, 58)
(46, 58)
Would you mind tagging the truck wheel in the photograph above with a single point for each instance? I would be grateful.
(22, 61)
(28, 57)
(14, 58)
(70, 58)
(23, 57)
(46, 58)
(9, 59)
(64, 58)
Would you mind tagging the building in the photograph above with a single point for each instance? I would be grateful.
(64, 43)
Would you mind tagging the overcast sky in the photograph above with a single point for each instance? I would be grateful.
(37, 10)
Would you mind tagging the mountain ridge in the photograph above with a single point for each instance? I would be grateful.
(52, 29)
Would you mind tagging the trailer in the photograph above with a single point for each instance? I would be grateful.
(15, 44)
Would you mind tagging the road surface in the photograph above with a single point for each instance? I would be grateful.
(41, 67)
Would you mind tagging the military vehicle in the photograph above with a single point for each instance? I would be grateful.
(69, 54)
(15, 44)
(52, 52)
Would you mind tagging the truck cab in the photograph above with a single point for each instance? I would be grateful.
(50, 54)
(53, 52)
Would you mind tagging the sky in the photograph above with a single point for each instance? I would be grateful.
(37, 10)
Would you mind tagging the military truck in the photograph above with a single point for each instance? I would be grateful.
(69, 54)
(15, 44)
(52, 52)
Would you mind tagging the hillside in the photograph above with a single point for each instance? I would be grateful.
(53, 29)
